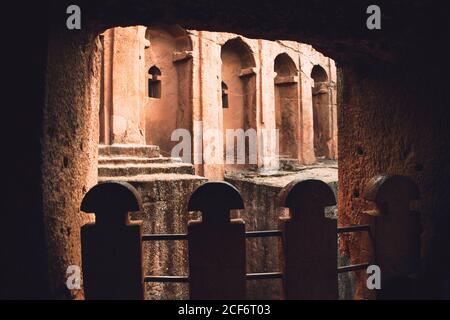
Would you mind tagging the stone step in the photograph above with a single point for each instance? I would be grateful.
(288, 160)
(155, 178)
(135, 160)
(132, 150)
(114, 170)
(284, 156)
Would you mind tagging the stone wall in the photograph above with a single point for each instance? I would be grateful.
(256, 94)
(262, 212)
(192, 66)
(389, 130)
(69, 148)
(164, 201)
(167, 50)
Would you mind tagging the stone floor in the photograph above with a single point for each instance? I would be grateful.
(325, 170)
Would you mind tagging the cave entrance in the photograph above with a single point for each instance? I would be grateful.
(152, 87)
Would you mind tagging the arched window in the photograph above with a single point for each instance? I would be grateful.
(224, 95)
(154, 83)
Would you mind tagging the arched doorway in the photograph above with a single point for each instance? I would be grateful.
(238, 102)
(286, 105)
(321, 113)
(168, 103)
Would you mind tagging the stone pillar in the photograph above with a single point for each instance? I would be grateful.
(333, 108)
(212, 114)
(127, 85)
(197, 127)
(307, 126)
(268, 151)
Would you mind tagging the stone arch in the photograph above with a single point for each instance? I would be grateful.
(238, 72)
(170, 49)
(286, 105)
(284, 65)
(243, 50)
(319, 74)
(322, 123)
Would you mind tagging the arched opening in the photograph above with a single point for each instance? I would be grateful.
(162, 56)
(65, 122)
(169, 106)
(286, 105)
(154, 83)
(321, 113)
(238, 75)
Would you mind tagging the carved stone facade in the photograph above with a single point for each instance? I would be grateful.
(158, 80)
(160, 83)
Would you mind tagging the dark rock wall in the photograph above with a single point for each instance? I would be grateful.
(69, 147)
(394, 120)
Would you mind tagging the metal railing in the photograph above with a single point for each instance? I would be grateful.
(216, 244)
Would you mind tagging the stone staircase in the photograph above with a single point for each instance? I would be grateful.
(165, 185)
(137, 160)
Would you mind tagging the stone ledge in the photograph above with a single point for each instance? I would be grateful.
(111, 170)
(286, 80)
(102, 160)
(139, 150)
(143, 178)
